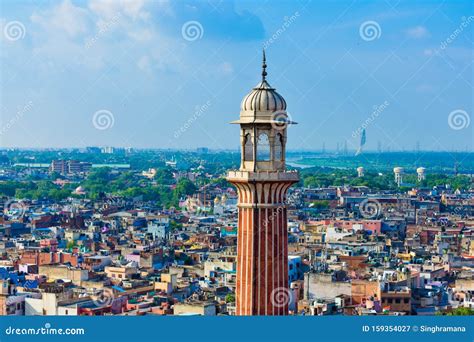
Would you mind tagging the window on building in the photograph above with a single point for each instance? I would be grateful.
(248, 148)
(398, 301)
(263, 147)
(406, 300)
(278, 147)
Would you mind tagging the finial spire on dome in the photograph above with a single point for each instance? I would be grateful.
(264, 66)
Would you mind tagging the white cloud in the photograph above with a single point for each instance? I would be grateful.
(143, 35)
(418, 32)
(109, 8)
(65, 17)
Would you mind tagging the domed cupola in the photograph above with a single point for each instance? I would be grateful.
(263, 98)
(263, 102)
(263, 128)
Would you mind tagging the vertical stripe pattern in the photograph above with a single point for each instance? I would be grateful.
(262, 248)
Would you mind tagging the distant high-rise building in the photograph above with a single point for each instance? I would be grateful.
(92, 149)
(69, 166)
(107, 150)
(202, 150)
(59, 166)
(362, 142)
(360, 171)
(262, 183)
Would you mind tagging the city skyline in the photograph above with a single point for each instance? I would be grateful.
(170, 75)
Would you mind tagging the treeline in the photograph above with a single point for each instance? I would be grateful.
(382, 181)
(164, 190)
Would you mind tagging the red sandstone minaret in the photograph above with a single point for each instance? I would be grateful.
(262, 182)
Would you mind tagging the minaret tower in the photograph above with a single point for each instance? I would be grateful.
(262, 183)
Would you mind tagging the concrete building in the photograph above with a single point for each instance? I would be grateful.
(195, 308)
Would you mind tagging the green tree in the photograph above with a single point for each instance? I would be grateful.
(230, 298)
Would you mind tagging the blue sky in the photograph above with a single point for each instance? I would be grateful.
(172, 73)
